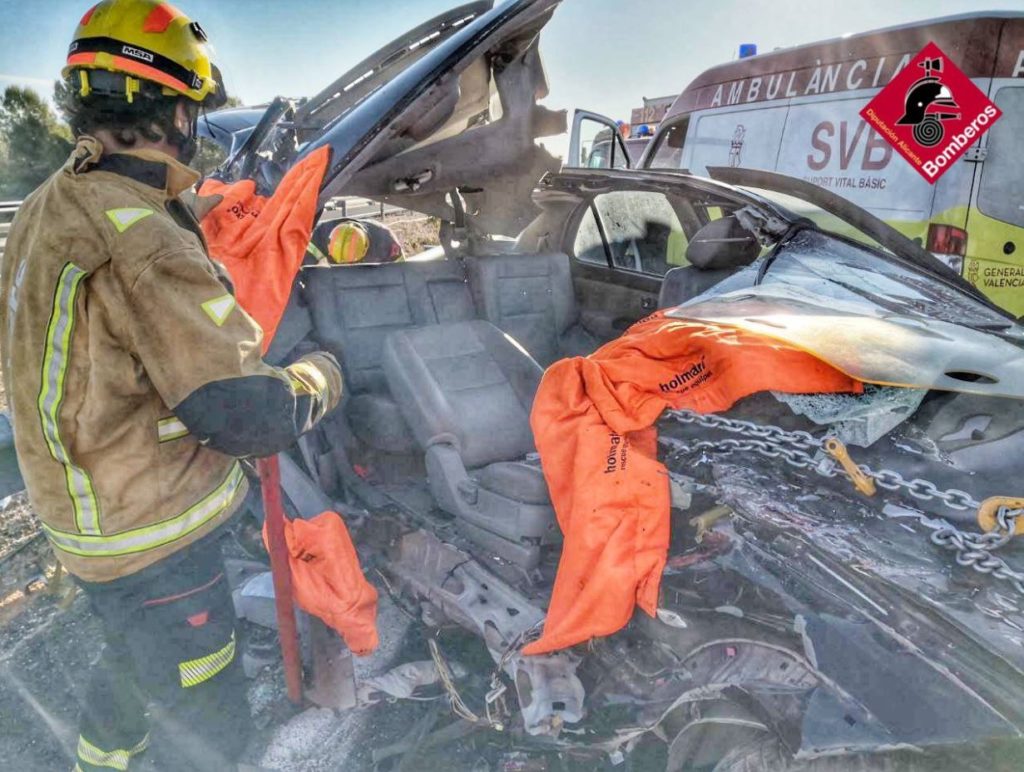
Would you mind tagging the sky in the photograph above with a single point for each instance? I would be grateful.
(601, 55)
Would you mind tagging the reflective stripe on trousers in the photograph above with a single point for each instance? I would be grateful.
(195, 671)
(51, 395)
(118, 758)
(156, 535)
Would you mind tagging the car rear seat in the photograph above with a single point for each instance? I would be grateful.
(466, 389)
(355, 307)
(531, 298)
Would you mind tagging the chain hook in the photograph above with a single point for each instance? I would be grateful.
(1002, 513)
(834, 447)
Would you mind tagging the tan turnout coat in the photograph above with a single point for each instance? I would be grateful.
(113, 314)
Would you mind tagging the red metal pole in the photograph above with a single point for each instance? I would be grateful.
(270, 479)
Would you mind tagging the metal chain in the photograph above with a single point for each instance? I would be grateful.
(923, 489)
(792, 456)
(804, 441)
(975, 551)
(972, 550)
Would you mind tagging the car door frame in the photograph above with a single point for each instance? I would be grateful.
(566, 213)
(618, 144)
(565, 197)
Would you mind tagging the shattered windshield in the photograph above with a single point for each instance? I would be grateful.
(845, 273)
(823, 218)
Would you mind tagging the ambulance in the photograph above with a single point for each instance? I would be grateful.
(796, 111)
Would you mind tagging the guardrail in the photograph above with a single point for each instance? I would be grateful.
(7, 210)
(358, 208)
(10, 475)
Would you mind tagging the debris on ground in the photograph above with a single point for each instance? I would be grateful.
(18, 525)
(415, 233)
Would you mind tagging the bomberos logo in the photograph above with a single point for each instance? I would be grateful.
(931, 112)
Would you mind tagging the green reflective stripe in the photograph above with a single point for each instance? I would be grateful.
(115, 759)
(87, 511)
(124, 219)
(152, 536)
(170, 429)
(195, 671)
(51, 394)
(90, 754)
(314, 250)
(219, 308)
(140, 747)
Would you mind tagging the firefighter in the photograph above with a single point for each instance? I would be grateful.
(136, 383)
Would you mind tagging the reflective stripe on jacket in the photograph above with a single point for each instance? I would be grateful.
(115, 316)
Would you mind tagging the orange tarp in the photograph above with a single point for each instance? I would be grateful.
(327, 580)
(593, 424)
(260, 240)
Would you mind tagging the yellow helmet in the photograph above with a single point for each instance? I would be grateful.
(348, 243)
(146, 40)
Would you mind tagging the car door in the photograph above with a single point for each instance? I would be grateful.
(995, 222)
(616, 269)
(623, 239)
(595, 143)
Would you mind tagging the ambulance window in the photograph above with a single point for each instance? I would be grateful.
(643, 231)
(669, 152)
(1002, 176)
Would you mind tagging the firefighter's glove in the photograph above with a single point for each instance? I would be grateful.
(200, 205)
(317, 376)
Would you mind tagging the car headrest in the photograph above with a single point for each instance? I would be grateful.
(722, 243)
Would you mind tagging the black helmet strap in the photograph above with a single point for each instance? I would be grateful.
(138, 54)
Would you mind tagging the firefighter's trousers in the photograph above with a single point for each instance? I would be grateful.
(169, 666)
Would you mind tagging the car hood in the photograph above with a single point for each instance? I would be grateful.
(449, 106)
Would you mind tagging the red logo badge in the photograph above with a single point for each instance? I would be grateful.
(931, 112)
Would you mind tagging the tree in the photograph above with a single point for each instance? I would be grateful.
(33, 143)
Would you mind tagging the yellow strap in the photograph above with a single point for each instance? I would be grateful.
(704, 521)
(314, 250)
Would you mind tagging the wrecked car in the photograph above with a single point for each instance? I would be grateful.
(830, 601)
